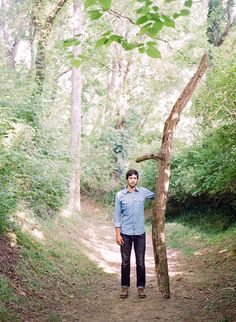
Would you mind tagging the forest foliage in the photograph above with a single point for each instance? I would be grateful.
(203, 175)
(121, 120)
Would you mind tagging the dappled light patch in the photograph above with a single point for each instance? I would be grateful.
(98, 236)
(12, 238)
(37, 233)
(25, 218)
(75, 287)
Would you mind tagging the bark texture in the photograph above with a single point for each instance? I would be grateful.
(12, 44)
(43, 30)
(162, 182)
(219, 13)
(74, 193)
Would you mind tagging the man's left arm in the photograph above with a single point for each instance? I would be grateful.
(148, 194)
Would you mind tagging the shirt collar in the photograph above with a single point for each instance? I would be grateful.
(126, 189)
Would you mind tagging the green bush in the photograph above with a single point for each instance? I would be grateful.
(42, 183)
(48, 183)
(102, 162)
(207, 169)
(203, 176)
(10, 190)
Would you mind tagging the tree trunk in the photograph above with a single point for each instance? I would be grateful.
(43, 32)
(215, 32)
(162, 183)
(230, 17)
(11, 48)
(110, 90)
(74, 193)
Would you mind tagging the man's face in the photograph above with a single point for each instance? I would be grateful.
(132, 181)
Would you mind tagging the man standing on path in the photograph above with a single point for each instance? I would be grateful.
(129, 225)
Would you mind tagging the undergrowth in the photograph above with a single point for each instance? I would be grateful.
(47, 272)
(196, 229)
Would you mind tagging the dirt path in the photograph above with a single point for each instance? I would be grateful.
(203, 287)
(97, 236)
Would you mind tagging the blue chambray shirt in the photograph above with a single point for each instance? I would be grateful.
(129, 210)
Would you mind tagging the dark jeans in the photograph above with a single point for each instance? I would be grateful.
(139, 242)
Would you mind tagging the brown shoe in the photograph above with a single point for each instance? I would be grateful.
(141, 293)
(124, 293)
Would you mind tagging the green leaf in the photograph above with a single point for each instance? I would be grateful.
(153, 52)
(155, 8)
(89, 3)
(76, 62)
(141, 50)
(71, 42)
(144, 29)
(82, 56)
(107, 33)
(151, 43)
(157, 26)
(142, 20)
(176, 15)
(143, 10)
(106, 4)
(168, 21)
(108, 41)
(184, 12)
(100, 42)
(154, 16)
(141, 44)
(95, 14)
(188, 3)
(128, 46)
(70, 55)
(116, 38)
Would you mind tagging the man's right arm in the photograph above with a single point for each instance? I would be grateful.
(119, 238)
(117, 221)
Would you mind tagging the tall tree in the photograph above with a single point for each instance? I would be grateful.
(220, 20)
(74, 190)
(12, 43)
(43, 29)
(164, 156)
(162, 183)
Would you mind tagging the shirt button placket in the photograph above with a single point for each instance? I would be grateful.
(134, 200)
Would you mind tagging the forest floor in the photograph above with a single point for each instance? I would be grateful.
(203, 286)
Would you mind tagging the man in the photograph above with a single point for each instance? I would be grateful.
(129, 225)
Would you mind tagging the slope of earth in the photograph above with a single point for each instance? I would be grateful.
(202, 286)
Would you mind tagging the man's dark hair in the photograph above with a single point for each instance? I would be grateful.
(131, 172)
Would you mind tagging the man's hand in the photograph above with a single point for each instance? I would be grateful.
(119, 239)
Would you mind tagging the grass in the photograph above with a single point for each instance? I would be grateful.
(192, 232)
(58, 266)
(5, 290)
(183, 237)
(7, 316)
(6, 295)
(54, 317)
(221, 236)
(206, 220)
(55, 268)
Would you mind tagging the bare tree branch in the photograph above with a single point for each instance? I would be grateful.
(150, 156)
(230, 18)
(55, 11)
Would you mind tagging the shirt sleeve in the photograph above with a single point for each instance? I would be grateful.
(117, 213)
(149, 194)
